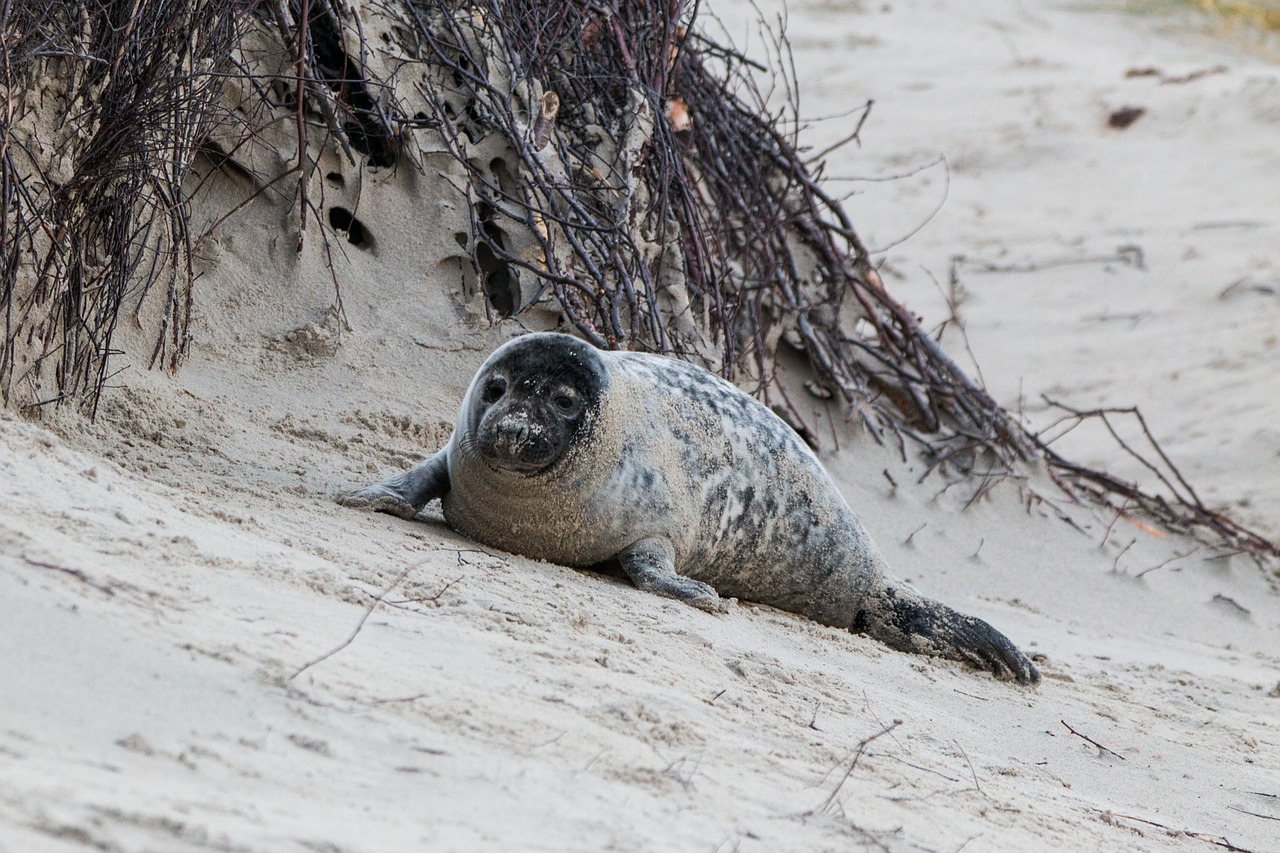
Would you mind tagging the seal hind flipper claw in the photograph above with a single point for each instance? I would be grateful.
(990, 649)
(650, 564)
(905, 620)
(407, 493)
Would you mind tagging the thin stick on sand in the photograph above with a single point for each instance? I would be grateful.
(355, 632)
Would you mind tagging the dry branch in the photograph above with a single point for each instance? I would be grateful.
(94, 214)
(1090, 740)
(858, 751)
(617, 165)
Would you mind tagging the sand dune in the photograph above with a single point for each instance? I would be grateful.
(203, 651)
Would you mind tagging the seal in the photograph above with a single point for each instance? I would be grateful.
(599, 460)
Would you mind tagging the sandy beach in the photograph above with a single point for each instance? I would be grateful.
(203, 651)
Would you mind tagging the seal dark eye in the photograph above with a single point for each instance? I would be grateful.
(494, 389)
(564, 404)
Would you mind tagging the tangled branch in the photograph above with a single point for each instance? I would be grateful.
(93, 212)
(618, 166)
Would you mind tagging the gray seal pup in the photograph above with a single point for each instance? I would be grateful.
(597, 459)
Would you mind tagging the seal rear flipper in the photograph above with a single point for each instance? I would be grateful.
(904, 620)
(404, 494)
(650, 564)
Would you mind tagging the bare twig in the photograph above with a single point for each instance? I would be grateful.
(973, 773)
(1115, 564)
(1215, 840)
(364, 617)
(78, 574)
(1092, 741)
(913, 533)
(1180, 510)
(1172, 559)
(434, 598)
(304, 167)
(853, 764)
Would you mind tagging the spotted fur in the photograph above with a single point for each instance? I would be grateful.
(692, 486)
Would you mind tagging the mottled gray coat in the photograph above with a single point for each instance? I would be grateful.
(694, 488)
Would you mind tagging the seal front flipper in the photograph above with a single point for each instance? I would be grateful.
(650, 564)
(905, 620)
(404, 494)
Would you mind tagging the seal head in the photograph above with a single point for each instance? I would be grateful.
(528, 406)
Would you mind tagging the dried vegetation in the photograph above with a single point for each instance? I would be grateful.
(618, 167)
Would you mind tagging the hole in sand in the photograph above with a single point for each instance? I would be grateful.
(506, 180)
(500, 284)
(219, 159)
(357, 235)
(346, 78)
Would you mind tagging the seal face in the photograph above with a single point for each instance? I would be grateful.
(569, 454)
(530, 404)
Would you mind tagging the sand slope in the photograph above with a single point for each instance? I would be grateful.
(168, 572)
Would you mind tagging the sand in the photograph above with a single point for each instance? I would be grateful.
(201, 650)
